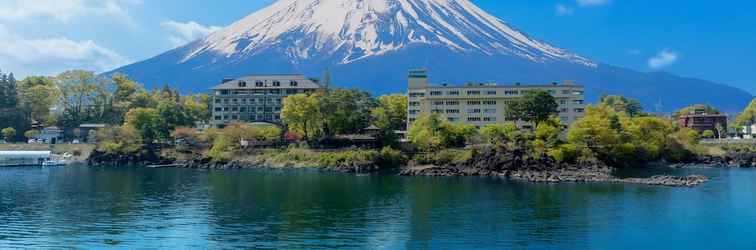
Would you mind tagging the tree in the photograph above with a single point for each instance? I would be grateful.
(174, 115)
(502, 132)
(8, 134)
(31, 134)
(8, 91)
(84, 97)
(301, 113)
(117, 140)
(720, 130)
(697, 108)
(147, 123)
(38, 95)
(344, 111)
(631, 107)
(391, 113)
(430, 133)
(535, 107)
(708, 134)
(198, 107)
(748, 116)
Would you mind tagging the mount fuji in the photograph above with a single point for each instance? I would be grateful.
(371, 45)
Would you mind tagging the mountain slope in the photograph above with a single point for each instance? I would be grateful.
(370, 44)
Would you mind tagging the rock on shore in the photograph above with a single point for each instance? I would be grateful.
(563, 175)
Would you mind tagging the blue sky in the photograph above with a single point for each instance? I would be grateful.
(713, 40)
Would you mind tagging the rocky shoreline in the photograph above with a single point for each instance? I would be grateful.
(584, 175)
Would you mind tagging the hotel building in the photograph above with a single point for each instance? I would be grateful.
(481, 104)
(257, 98)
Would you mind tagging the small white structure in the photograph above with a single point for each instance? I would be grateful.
(749, 132)
(25, 158)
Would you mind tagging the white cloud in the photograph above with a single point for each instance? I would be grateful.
(183, 33)
(52, 55)
(564, 10)
(64, 10)
(662, 59)
(589, 3)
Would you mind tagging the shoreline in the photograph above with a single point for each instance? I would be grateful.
(566, 175)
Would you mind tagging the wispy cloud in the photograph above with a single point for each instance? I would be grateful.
(183, 33)
(564, 10)
(663, 59)
(51, 55)
(589, 3)
(65, 10)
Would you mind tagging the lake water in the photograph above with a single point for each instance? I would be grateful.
(138, 208)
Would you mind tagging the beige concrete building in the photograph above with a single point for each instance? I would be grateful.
(257, 98)
(481, 104)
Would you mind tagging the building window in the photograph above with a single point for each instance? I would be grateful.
(218, 109)
(454, 92)
(452, 111)
(489, 119)
(414, 112)
(579, 102)
(511, 92)
(276, 84)
(489, 111)
(435, 93)
(438, 103)
(217, 118)
(491, 92)
(217, 100)
(225, 109)
(275, 91)
(453, 119)
(565, 92)
(412, 119)
(473, 119)
(473, 111)
(452, 103)
(473, 102)
(242, 109)
(414, 104)
(564, 119)
(577, 92)
(490, 102)
(242, 84)
(579, 110)
(417, 94)
(234, 109)
(293, 83)
(562, 102)
(259, 84)
(473, 92)
(437, 111)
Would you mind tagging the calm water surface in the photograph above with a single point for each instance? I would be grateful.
(137, 208)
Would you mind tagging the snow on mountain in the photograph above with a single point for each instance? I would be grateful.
(351, 30)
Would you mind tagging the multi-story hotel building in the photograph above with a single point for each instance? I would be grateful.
(257, 98)
(481, 104)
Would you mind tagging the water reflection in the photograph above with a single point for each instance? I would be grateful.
(177, 208)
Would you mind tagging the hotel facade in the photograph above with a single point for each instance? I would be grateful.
(482, 104)
(257, 98)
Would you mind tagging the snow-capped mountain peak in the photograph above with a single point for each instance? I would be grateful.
(346, 31)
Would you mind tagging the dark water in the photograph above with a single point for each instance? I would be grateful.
(135, 208)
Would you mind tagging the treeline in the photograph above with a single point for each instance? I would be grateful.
(615, 131)
(78, 97)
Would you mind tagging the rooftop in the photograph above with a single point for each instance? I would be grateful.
(267, 82)
(516, 85)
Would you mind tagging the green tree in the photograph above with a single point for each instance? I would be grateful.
(147, 123)
(748, 116)
(8, 91)
(31, 134)
(344, 111)
(8, 133)
(302, 115)
(85, 97)
(391, 113)
(430, 132)
(38, 95)
(120, 140)
(501, 132)
(708, 134)
(174, 115)
(697, 108)
(631, 107)
(535, 107)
